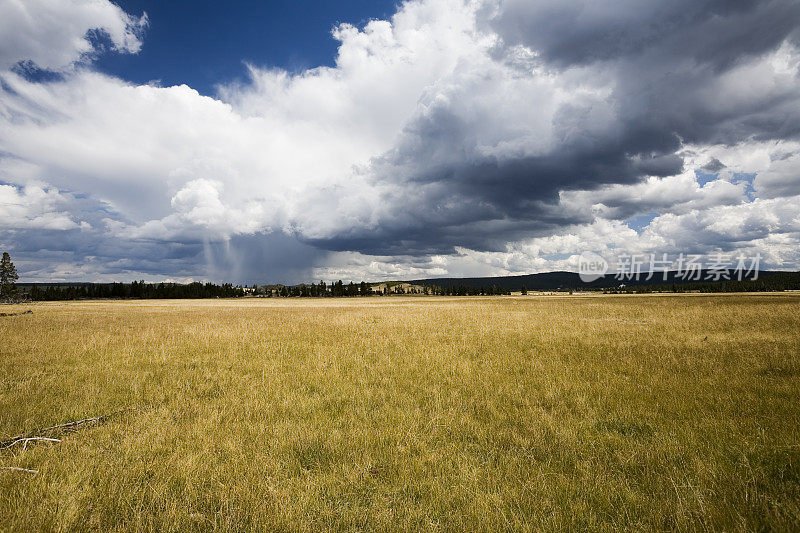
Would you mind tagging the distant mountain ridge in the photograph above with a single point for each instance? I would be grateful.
(562, 280)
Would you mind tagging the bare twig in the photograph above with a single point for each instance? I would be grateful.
(26, 440)
(61, 428)
(18, 469)
(72, 425)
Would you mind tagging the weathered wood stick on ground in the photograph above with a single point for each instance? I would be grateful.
(61, 428)
(18, 469)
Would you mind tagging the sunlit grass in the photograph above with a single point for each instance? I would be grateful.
(656, 412)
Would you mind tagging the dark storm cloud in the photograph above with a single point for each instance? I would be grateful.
(667, 56)
(96, 256)
(713, 166)
(715, 33)
(671, 63)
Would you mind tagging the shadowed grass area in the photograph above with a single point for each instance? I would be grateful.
(611, 412)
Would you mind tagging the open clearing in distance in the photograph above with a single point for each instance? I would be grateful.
(629, 412)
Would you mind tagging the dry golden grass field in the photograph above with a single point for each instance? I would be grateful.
(402, 413)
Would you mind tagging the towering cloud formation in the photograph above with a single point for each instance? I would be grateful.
(54, 35)
(459, 137)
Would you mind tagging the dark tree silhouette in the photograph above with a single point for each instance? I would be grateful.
(8, 275)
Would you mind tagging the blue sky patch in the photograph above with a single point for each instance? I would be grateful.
(639, 222)
(203, 44)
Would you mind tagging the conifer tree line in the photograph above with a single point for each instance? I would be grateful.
(767, 282)
(137, 289)
(467, 290)
(314, 290)
(143, 290)
(339, 289)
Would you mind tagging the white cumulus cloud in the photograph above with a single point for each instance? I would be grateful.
(53, 34)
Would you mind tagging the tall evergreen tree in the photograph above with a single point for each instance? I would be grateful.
(8, 275)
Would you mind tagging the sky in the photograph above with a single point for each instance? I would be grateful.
(263, 142)
(204, 44)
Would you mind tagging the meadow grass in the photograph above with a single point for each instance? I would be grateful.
(404, 413)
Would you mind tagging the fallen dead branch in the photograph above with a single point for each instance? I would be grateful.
(28, 312)
(614, 320)
(18, 469)
(48, 434)
(25, 440)
(72, 426)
